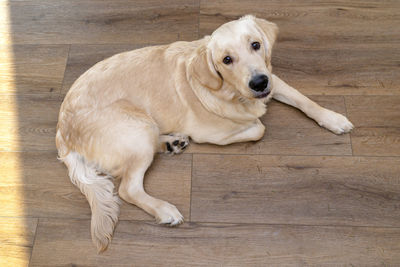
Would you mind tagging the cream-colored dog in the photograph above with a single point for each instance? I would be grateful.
(123, 110)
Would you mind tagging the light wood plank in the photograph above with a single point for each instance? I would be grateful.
(83, 57)
(336, 47)
(198, 244)
(97, 21)
(32, 69)
(296, 190)
(39, 185)
(16, 240)
(289, 132)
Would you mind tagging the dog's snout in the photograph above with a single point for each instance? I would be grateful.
(259, 82)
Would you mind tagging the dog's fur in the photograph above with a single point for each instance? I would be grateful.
(123, 110)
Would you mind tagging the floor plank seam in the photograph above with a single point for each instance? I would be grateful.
(292, 155)
(60, 97)
(294, 224)
(198, 20)
(34, 240)
(239, 154)
(191, 189)
(347, 115)
(153, 222)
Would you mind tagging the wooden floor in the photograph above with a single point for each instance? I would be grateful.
(301, 196)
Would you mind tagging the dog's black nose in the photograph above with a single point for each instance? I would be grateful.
(259, 82)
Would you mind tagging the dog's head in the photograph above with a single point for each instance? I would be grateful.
(238, 56)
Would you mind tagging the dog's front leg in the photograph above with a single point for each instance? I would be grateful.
(329, 119)
(254, 132)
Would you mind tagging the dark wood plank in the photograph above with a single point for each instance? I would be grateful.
(290, 132)
(147, 244)
(16, 240)
(296, 190)
(97, 21)
(377, 121)
(374, 111)
(35, 184)
(375, 141)
(28, 122)
(338, 23)
(339, 71)
(325, 47)
(32, 69)
(82, 57)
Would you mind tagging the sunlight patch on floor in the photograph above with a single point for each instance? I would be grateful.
(14, 248)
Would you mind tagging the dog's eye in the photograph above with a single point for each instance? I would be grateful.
(227, 60)
(255, 45)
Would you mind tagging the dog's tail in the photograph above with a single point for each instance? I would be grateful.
(99, 191)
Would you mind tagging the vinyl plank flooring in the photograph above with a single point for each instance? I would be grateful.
(82, 57)
(32, 69)
(16, 240)
(301, 196)
(289, 132)
(35, 184)
(377, 121)
(207, 244)
(374, 111)
(99, 22)
(28, 122)
(327, 24)
(376, 141)
(339, 71)
(325, 47)
(296, 190)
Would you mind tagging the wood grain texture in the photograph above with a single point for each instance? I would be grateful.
(338, 71)
(16, 240)
(99, 22)
(28, 122)
(338, 23)
(41, 186)
(325, 47)
(32, 69)
(376, 141)
(296, 190)
(289, 132)
(377, 121)
(83, 57)
(198, 244)
(298, 197)
(374, 111)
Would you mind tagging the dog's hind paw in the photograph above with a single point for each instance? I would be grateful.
(173, 143)
(169, 215)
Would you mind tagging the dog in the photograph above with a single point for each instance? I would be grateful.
(124, 109)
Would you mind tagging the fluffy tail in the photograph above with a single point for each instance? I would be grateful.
(99, 191)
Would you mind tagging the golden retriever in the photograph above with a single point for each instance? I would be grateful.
(124, 109)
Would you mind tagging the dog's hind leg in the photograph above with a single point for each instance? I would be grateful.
(132, 191)
(118, 140)
(134, 144)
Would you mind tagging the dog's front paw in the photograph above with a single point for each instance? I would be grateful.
(174, 143)
(168, 214)
(335, 122)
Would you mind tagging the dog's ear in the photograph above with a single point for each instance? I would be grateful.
(203, 70)
(270, 32)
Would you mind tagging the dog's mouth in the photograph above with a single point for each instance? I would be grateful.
(262, 95)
